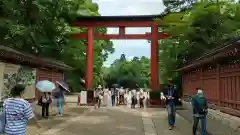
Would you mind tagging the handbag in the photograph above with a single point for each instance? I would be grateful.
(49, 100)
(40, 101)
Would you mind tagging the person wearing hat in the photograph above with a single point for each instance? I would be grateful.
(200, 110)
(99, 95)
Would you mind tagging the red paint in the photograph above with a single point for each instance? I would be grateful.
(48, 74)
(120, 36)
(89, 61)
(102, 24)
(221, 84)
(154, 58)
(154, 36)
(122, 30)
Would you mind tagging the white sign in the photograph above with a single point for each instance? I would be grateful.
(83, 97)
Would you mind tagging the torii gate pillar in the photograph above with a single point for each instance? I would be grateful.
(154, 58)
(89, 60)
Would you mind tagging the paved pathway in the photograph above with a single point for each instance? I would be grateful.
(120, 120)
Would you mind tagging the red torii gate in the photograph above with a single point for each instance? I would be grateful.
(120, 22)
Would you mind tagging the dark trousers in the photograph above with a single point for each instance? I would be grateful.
(113, 100)
(45, 109)
(203, 125)
(141, 102)
(121, 99)
(99, 102)
(134, 102)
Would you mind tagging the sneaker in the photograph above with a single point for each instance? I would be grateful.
(170, 127)
(59, 115)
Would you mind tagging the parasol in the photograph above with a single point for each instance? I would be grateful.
(45, 86)
(64, 85)
(115, 85)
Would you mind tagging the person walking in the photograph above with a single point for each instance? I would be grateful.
(100, 94)
(141, 98)
(171, 105)
(17, 112)
(134, 98)
(45, 101)
(200, 110)
(60, 99)
(121, 96)
(105, 97)
(113, 96)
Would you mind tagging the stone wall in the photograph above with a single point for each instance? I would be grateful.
(218, 123)
(10, 74)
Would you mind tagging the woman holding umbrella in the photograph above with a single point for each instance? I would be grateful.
(45, 101)
(46, 87)
(59, 95)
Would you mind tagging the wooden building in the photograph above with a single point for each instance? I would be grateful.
(28, 69)
(218, 73)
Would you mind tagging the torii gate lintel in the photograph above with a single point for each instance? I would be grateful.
(154, 36)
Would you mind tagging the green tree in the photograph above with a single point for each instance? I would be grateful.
(41, 27)
(194, 32)
(128, 73)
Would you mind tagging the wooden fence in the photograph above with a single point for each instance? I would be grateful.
(221, 85)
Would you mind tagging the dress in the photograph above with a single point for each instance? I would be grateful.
(106, 97)
(129, 99)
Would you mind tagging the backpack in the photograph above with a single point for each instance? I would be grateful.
(201, 105)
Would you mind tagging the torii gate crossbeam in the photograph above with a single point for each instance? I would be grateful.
(121, 22)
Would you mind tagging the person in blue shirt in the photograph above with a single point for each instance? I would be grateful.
(171, 95)
(18, 112)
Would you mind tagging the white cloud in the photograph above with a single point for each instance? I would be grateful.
(130, 58)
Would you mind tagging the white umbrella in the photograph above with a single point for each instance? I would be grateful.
(45, 86)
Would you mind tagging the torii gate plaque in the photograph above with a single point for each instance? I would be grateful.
(121, 22)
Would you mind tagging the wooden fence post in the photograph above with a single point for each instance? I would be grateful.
(201, 76)
(218, 86)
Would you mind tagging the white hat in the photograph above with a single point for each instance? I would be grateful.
(99, 87)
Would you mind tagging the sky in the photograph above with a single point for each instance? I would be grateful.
(130, 48)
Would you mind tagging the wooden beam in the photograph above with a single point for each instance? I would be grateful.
(117, 36)
(122, 31)
(96, 24)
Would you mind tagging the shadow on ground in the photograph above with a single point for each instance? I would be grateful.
(105, 121)
(54, 120)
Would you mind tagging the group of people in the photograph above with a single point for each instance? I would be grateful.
(46, 99)
(199, 105)
(17, 112)
(120, 96)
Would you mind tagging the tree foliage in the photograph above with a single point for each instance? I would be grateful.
(130, 74)
(41, 27)
(204, 26)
